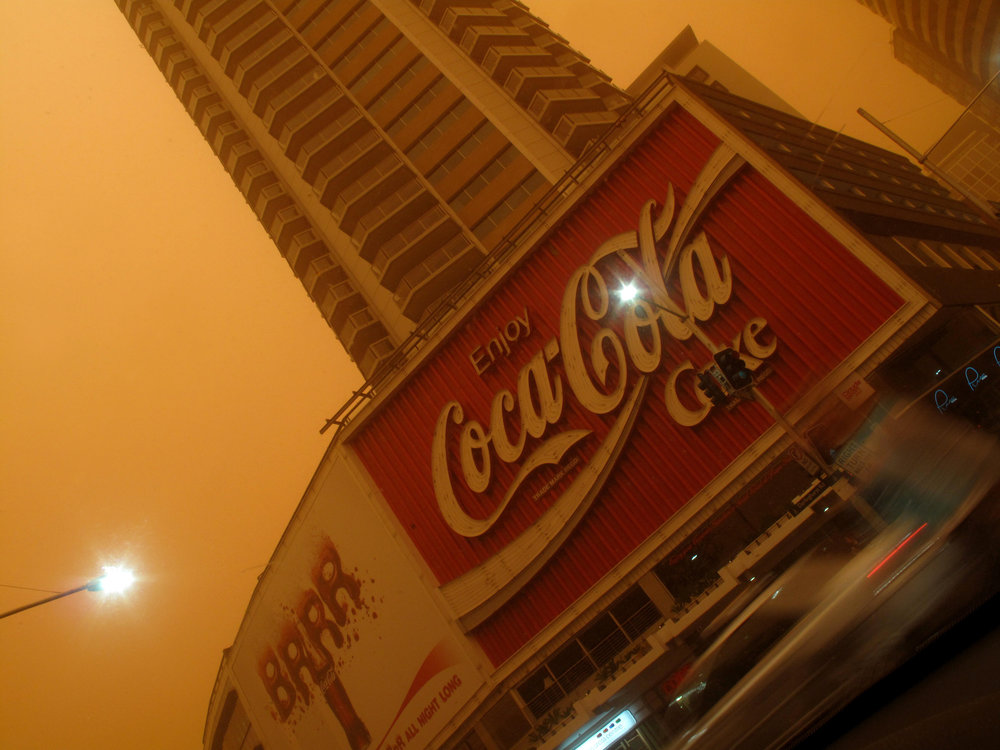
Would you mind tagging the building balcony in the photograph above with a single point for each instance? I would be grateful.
(454, 21)
(233, 20)
(226, 138)
(249, 39)
(212, 118)
(277, 54)
(329, 141)
(549, 105)
(338, 301)
(339, 44)
(275, 80)
(412, 245)
(301, 249)
(477, 40)
(373, 186)
(200, 99)
(144, 18)
(270, 201)
(187, 81)
(196, 11)
(260, 56)
(374, 356)
(322, 271)
(299, 95)
(176, 64)
(154, 33)
(304, 124)
(524, 83)
(288, 222)
(434, 9)
(239, 159)
(554, 44)
(350, 164)
(167, 52)
(575, 130)
(359, 331)
(389, 217)
(436, 275)
(255, 178)
(500, 61)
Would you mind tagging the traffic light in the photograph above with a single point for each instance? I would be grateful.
(734, 369)
(711, 388)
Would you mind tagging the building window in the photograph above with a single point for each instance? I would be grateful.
(594, 648)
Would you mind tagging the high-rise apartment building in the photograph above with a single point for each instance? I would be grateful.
(385, 145)
(956, 46)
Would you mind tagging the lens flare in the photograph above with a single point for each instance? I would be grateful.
(628, 292)
(116, 579)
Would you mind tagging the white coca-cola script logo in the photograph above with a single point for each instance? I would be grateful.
(607, 374)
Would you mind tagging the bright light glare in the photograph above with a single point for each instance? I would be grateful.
(628, 292)
(617, 727)
(116, 579)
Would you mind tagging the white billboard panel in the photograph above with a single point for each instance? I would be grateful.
(343, 646)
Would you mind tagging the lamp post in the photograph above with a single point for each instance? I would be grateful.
(115, 580)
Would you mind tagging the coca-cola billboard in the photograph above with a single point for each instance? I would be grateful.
(558, 427)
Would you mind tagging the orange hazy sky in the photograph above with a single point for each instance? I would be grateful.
(163, 376)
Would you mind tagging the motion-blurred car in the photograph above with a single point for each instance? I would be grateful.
(832, 625)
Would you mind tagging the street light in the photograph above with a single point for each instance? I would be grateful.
(116, 580)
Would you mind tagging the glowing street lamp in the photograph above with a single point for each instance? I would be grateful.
(628, 292)
(116, 580)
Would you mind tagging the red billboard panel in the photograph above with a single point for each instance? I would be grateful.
(560, 426)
